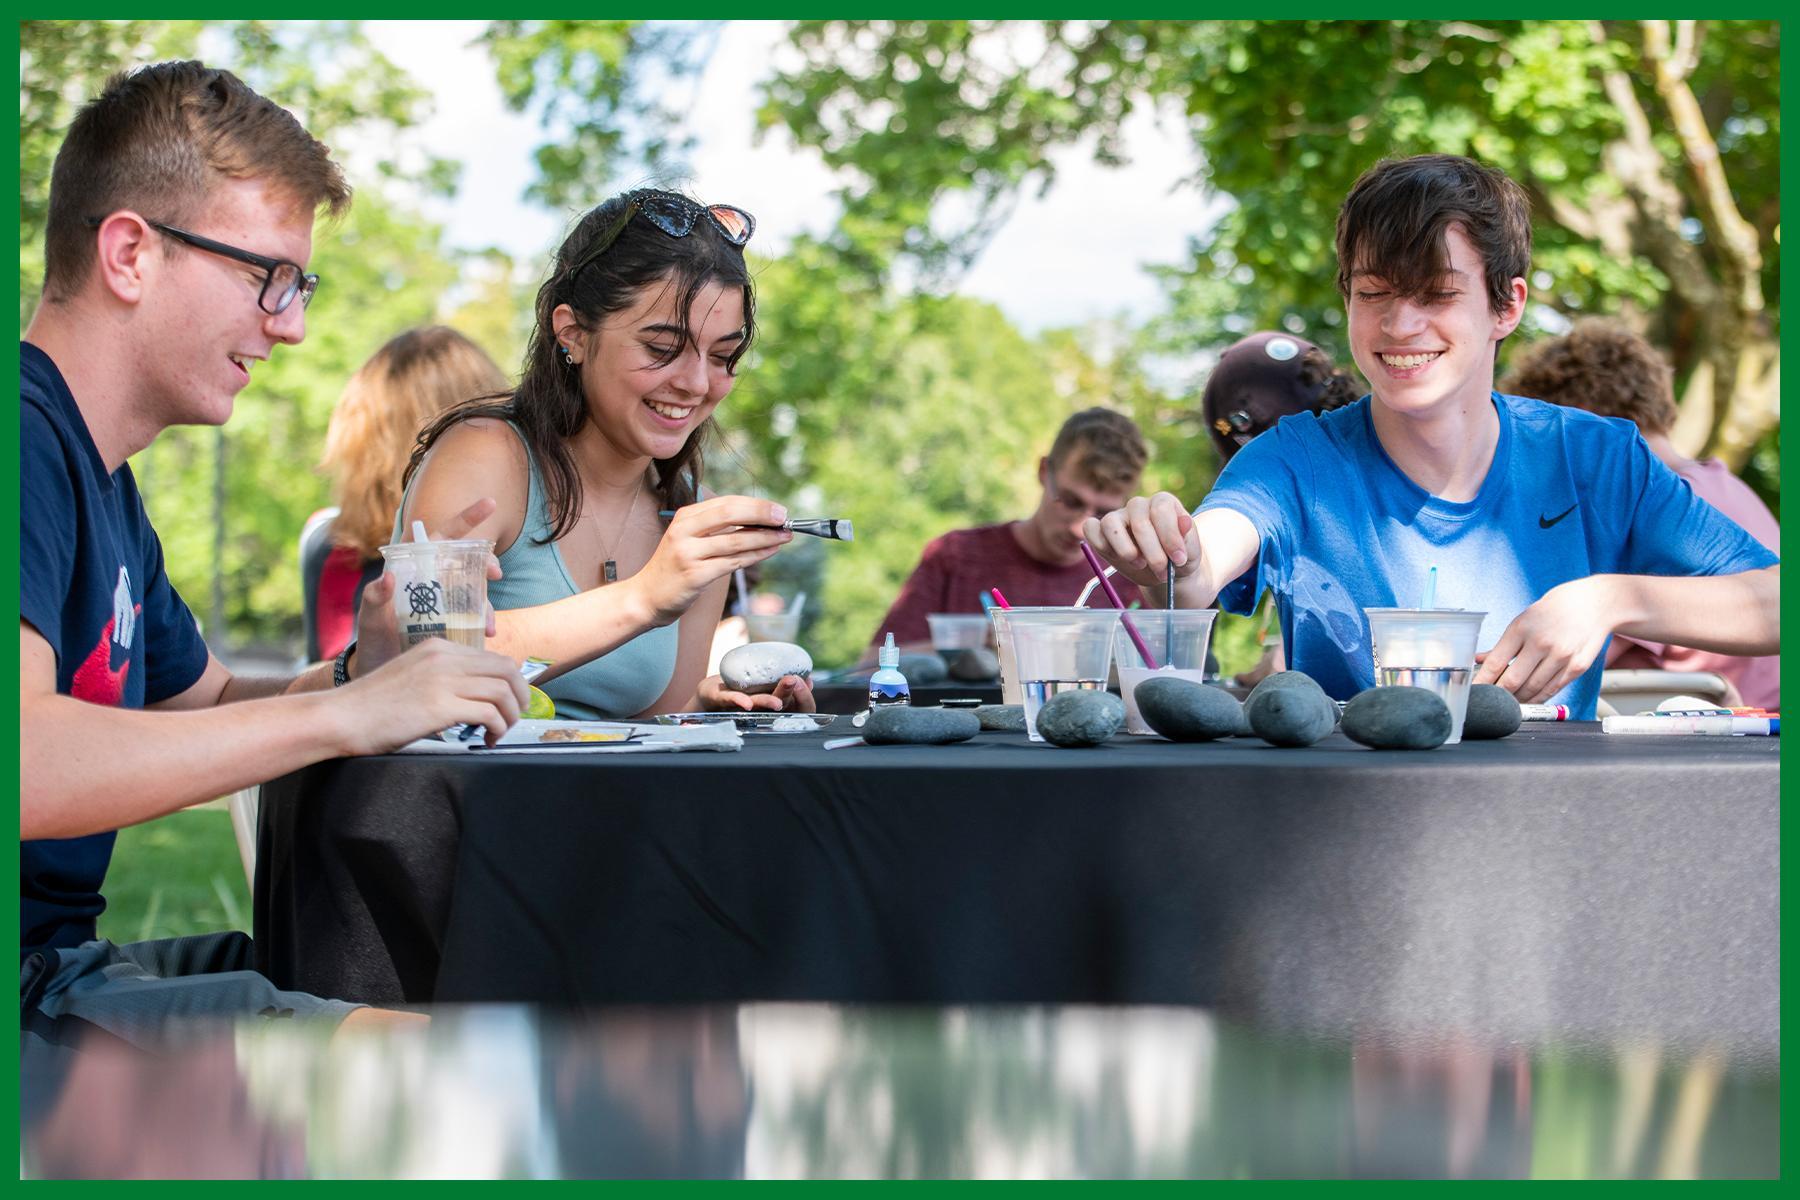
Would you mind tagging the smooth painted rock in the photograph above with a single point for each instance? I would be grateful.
(1290, 715)
(922, 669)
(1002, 718)
(1493, 712)
(977, 664)
(1397, 718)
(759, 666)
(1084, 718)
(1184, 711)
(903, 725)
(1282, 679)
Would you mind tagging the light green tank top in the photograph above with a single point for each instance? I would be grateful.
(620, 684)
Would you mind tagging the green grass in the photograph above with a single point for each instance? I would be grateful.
(174, 876)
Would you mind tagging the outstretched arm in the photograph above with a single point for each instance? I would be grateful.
(87, 768)
(1556, 639)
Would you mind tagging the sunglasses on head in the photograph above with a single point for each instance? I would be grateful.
(675, 215)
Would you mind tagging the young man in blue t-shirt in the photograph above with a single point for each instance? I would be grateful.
(180, 221)
(1563, 527)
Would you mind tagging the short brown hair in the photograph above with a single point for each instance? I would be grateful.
(1394, 221)
(406, 384)
(1603, 367)
(155, 139)
(1105, 445)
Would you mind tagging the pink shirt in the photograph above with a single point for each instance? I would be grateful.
(1758, 680)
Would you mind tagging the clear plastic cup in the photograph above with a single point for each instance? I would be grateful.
(1430, 648)
(440, 589)
(1177, 639)
(1060, 650)
(1010, 692)
(773, 627)
(951, 632)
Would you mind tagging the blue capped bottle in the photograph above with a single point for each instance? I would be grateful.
(887, 685)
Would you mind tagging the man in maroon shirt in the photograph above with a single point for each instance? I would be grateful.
(1092, 468)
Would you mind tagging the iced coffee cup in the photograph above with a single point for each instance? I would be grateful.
(1430, 648)
(440, 590)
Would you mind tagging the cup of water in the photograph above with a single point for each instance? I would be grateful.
(1060, 650)
(1010, 692)
(1177, 639)
(1430, 648)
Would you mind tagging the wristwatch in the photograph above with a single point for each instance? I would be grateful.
(340, 666)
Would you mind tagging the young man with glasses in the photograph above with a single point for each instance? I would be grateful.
(1096, 460)
(1563, 527)
(180, 219)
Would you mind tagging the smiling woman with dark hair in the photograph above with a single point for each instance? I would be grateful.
(641, 325)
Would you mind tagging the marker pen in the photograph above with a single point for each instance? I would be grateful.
(1716, 726)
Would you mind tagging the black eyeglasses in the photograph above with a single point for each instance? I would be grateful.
(675, 215)
(282, 280)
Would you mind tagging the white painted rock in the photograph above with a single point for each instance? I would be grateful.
(759, 666)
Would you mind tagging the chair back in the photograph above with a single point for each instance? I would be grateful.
(315, 548)
(1637, 691)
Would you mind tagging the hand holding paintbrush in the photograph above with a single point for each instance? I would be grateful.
(835, 528)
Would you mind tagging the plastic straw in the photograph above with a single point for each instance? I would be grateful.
(1112, 594)
(419, 532)
(1170, 602)
(1000, 599)
(987, 600)
(1430, 600)
(798, 604)
(743, 591)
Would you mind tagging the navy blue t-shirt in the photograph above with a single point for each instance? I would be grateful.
(1568, 495)
(91, 582)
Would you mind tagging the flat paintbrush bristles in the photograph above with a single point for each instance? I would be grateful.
(838, 528)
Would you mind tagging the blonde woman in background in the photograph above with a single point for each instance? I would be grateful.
(403, 387)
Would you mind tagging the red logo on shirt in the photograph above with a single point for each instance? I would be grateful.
(95, 680)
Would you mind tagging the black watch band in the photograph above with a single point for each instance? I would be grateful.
(340, 666)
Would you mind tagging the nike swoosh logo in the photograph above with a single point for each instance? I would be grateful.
(1547, 522)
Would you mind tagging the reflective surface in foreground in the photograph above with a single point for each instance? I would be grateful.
(794, 1091)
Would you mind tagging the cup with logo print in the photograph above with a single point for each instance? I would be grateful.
(440, 589)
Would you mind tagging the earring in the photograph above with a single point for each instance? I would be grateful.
(568, 356)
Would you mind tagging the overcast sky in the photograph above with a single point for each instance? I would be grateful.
(1073, 256)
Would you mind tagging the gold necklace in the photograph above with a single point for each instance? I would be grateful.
(609, 566)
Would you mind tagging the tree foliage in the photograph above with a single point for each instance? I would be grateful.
(603, 92)
(1651, 153)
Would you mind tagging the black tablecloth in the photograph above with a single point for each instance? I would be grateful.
(1558, 882)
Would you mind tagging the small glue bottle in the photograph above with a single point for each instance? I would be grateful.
(887, 685)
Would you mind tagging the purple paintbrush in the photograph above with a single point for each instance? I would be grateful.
(1112, 594)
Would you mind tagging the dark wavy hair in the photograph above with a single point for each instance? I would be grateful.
(1603, 367)
(1393, 224)
(548, 406)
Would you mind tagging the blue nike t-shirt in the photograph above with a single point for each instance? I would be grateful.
(1568, 495)
(91, 582)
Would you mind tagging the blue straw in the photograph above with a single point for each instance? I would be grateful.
(1430, 600)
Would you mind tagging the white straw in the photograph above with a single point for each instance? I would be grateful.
(419, 532)
(743, 591)
(798, 604)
